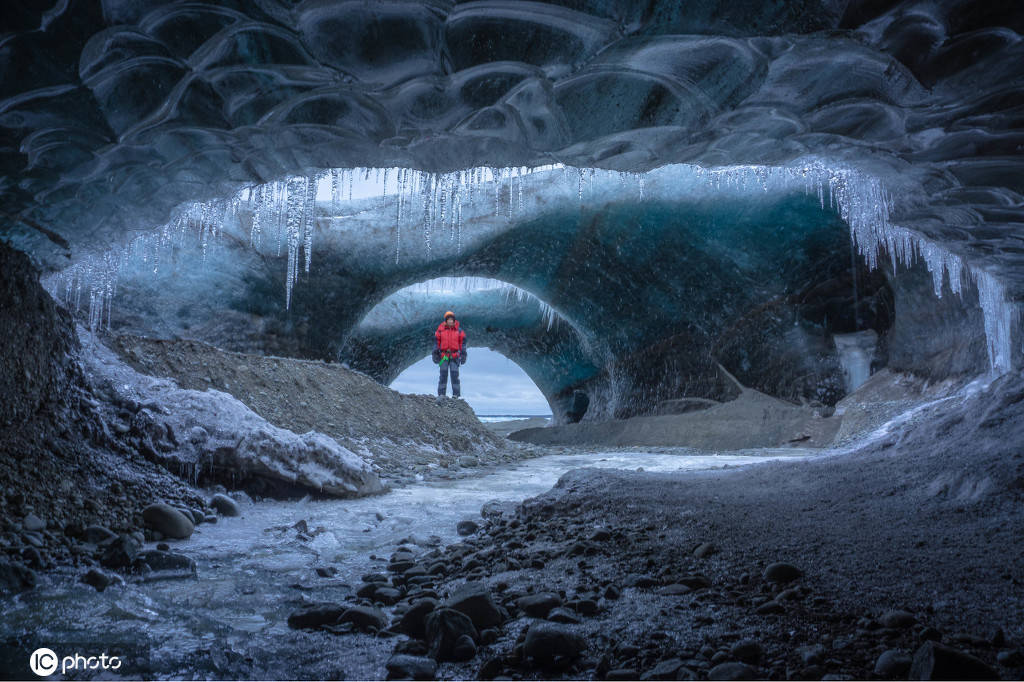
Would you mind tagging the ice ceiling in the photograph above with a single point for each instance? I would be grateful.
(115, 116)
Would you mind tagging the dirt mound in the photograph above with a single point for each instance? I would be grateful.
(401, 435)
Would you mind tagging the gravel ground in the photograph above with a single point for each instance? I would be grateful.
(405, 437)
(903, 553)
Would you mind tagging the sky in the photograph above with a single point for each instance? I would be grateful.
(491, 384)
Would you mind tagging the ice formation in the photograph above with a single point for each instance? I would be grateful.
(282, 218)
(211, 429)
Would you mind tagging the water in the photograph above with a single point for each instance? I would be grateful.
(493, 418)
(254, 570)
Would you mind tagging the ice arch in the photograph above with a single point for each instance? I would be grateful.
(561, 358)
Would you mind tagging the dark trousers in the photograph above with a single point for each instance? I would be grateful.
(450, 365)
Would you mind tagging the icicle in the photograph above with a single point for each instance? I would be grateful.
(335, 191)
(309, 213)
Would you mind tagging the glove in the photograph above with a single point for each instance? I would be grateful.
(462, 357)
(436, 356)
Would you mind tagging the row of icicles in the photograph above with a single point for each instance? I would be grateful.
(283, 218)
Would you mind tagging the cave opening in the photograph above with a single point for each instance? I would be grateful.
(761, 261)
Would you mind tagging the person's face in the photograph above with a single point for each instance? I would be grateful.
(450, 321)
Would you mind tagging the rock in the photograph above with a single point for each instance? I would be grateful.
(496, 509)
(622, 674)
(601, 535)
(675, 589)
(893, 663)
(364, 618)
(403, 667)
(468, 461)
(99, 535)
(163, 547)
(703, 550)
(671, 669)
(225, 505)
(550, 642)
(934, 661)
(159, 560)
(316, 615)
(747, 650)
(475, 600)
(812, 655)
(465, 648)
(387, 595)
(33, 523)
(100, 579)
(443, 629)
(167, 520)
(414, 621)
(587, 607)
(560, 615)
(781, 572)
(467, 527)
(733, 671)
(326, 571)
(121, 552)
(14, 577)
(897, 619)
(769, 608)
(612, 592)
(538, 605)
(1011, 658)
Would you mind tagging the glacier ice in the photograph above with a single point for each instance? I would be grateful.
(447, 208)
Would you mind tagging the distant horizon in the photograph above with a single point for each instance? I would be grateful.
(485, 370)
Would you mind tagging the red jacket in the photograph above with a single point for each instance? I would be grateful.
(450, 341)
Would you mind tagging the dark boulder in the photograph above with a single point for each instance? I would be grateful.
(444, 627)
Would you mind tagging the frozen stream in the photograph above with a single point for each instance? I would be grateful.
(255, 570)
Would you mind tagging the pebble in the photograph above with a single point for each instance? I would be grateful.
(464, 649)
(444, 628)
(475, 600)
(364, 617)
(316, 615)
(897, 619)
(121, 552)
(99, 535)
(548, 642)
(159, 560)
(704, 549)
(562, 615)
(538, 605)
(769, 608)
(934, 661)
(168, 521)
(225, 505)
(747, 650)
(413, 621)
(100, 579)
(33, 523)
(467, 527)
(781, 572)
(893, 663)
(733, 671)
(404, 667)
(671, 669)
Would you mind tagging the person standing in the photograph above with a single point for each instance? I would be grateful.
(449, 353)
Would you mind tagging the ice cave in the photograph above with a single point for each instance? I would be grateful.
(764, 262)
